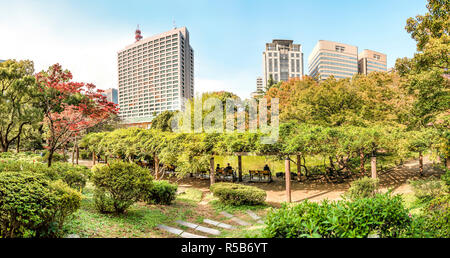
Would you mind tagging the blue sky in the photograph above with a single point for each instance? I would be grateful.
(228, 36)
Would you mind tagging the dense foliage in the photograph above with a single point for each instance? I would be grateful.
(363, 188)
(119, 185)
(384, 215)
(33, 206)
(236, 194)
(162, 192)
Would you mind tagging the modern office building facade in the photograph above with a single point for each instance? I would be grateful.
(155, 74)
(112, 95)
(370, 61)
(332, 58)
(282, 60)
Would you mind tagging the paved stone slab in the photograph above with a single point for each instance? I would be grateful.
(240, 222)
(218, 224)
(208, 230)
(226, 226)
(199, 228)
(187, 224)
(172, 230)
(253, 215)
(226, 214)
(211, 222)
(189, 235)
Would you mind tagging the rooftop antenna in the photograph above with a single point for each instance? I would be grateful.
(174, 24)
(137, 33)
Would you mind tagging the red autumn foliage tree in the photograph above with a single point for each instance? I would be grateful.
(69, 107)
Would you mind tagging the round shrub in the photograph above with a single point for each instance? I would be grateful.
(121, 183)
(363, 188)
(383, 214)
(426, 190)
(236, 194)
(33, 206)
(162, 192)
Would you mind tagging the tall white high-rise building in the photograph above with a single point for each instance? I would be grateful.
(155, 74)
(282, 60)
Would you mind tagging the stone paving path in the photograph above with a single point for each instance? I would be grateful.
(233, 218)
(179, 232)
(199, 228)
(218, 224)
(207, 230)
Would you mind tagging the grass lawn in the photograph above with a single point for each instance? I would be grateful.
(141, 219)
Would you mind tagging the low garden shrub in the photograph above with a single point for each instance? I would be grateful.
(363, 188)
(162, 192)
(237, 194)
(33, 206)
(75, 176)
(120, 184)
(383, 214)
(426, 190)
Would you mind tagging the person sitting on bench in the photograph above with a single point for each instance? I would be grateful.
(218, 168)
(266, 168)
(228, 168)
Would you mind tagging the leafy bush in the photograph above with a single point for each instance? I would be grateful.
(236, 194)
(75, 176)
(162, 192)
(103, 201)
(435, 220)
(363, 188)
(427, 189)
(33, 206)
(56, 157)
(120, 184)
(446, 178)
(383, 214)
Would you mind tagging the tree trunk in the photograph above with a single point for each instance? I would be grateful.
(447, 162)
(299, 167)
(156, 167)
(18, 144)
(421, 163)
(73, 155)
(93, 158)
(362, 157)
(50, 157)
(78, 153)
(212, 173)
(287, 175)
(373, 165)
(240, 167)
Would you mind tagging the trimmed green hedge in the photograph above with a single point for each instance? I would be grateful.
(33, 206)
(162, 192)
(237, 194)
(75, 176)
(384, 215)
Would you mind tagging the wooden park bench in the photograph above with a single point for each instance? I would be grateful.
(261, 175)
(224, 174)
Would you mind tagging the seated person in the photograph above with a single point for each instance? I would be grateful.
(228, 168)
(266, 168)
(218, 168)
